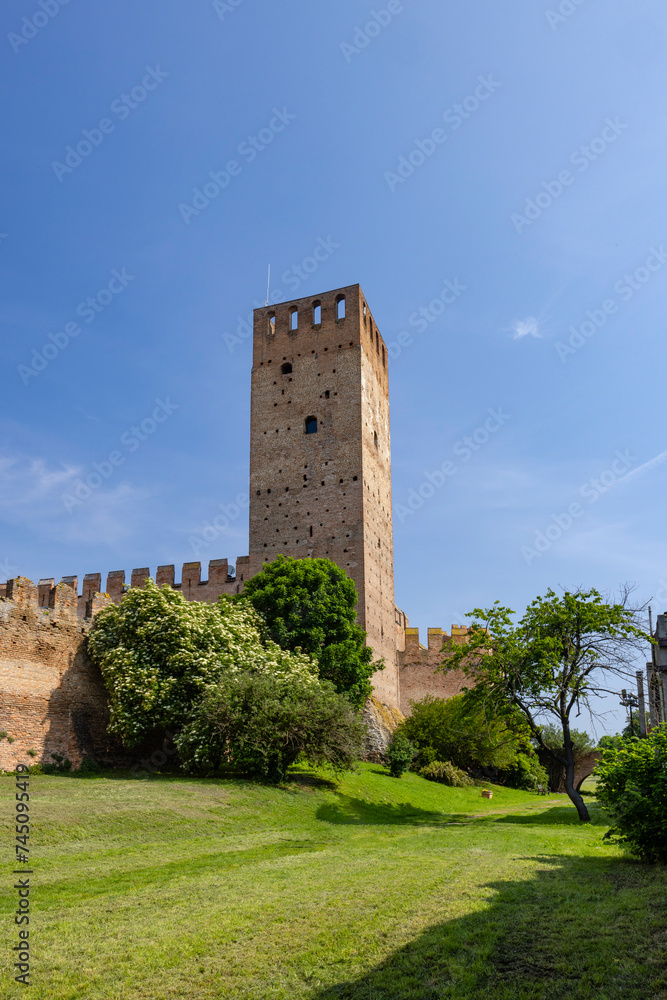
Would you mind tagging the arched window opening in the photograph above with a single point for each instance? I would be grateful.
(340, 307)
(294, 319)
(272, 324)
(375, 438)
(317, 313)
(365, 313)
(384, 360)
(377, 343)
(286, 369)
(311, 425)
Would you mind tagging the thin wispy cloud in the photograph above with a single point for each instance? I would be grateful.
(529, 327)
(646, 467)
(32, 492)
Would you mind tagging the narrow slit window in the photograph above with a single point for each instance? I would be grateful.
(294, 319)
(365, 313)
(340, 307)
(286, 369)
(272, 324)
(317, 313)
(375, 438)
(377, 343)
(311, 425)
(384, 360)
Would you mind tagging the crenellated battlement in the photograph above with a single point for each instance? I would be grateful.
(65, 597)
(418, 665)
(437, 638)
(57, 600)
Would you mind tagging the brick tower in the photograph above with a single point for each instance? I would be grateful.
(320, 464)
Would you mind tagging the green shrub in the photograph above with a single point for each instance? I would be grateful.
(398, 755)
(447, 774)
(60, 765)
(423, 756)
(632, 786)
(525, 774)
(260, 724)
(465, 733)
(90, 766)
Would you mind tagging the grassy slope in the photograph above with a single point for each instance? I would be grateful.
(374, 889)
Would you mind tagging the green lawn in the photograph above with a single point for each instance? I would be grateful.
(373, 889)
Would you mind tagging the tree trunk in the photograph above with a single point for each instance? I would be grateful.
(572, 792)
(555, 769)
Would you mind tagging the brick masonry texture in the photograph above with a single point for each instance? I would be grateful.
(417, 666)
(320, 363)
(320, 486)
(52, 699)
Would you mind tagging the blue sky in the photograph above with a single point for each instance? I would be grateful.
(517, 151)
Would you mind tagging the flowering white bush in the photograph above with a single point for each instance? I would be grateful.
(158, 653)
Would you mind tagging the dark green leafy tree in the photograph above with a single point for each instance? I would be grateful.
(632, 728)
(632, 786)
(260, 724)
(466, 732)
(399, 754)
(610, 742)
(563, 652)
(310, 605)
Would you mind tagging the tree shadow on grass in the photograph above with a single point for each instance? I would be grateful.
(306, 780)
(350, 811)
(347, 810)
(555, 816)
(582, 928)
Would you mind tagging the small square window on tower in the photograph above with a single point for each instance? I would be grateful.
(311, 425)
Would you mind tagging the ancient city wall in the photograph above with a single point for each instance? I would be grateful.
(417, 666)
(220, 581)
(52, 699)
